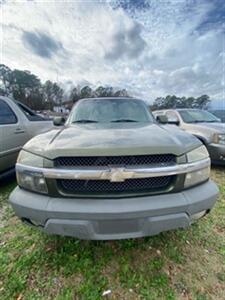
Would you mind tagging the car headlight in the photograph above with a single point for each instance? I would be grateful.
(197, 154)
(30, 180)
(201, 175)
(219, 139)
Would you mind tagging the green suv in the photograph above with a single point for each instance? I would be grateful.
(112, 172)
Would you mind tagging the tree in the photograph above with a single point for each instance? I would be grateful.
(121, 93)
(188, 102)
(4, 78)
(53, 94)
(180, 102)
(26, 87)
(58, 94)
(86, 92)
(74, 95)
(201, 102)
(110, 92)
(104, 92)
(21, 85)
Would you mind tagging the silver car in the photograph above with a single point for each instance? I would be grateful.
(18, 124)
(202, 124)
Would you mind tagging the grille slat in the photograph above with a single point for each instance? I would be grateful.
(129, 160)
(141, 185)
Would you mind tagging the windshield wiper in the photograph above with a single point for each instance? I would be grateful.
(212, 121)
(123, 120)
(204, 121)
(197, 121)
(85, 121)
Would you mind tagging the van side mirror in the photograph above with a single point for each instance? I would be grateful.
(162, 119)
(59, 121)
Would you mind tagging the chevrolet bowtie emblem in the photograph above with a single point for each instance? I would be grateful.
(119, 174)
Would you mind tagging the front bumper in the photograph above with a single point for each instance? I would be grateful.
(217, 153)
(108, 219)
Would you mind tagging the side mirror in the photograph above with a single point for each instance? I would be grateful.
(174, 121)
(162, 119)
(59, 121)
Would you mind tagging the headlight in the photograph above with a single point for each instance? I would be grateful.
(201, 175)
(30, 180)
(197, 154)
(219, 139)
(30, 159)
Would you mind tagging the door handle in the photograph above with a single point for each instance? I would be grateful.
(18, 131)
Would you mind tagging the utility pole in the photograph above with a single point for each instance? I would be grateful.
(60, 100)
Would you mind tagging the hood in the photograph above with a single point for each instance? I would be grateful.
(218, 127)
(113, 139)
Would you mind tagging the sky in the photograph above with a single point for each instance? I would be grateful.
(150, 47)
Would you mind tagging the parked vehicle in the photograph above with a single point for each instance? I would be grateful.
(202, 124)
(18, 124)
(219, 113)
(112, 172)
(217, 107)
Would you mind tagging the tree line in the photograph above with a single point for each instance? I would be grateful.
(180, 102)
(28, 88)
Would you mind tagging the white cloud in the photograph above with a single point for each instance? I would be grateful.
(151, 52)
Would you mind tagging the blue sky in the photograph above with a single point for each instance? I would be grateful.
(151, 48)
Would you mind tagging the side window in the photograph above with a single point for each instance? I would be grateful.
(31, 116)
(7, 116)
(172, 117)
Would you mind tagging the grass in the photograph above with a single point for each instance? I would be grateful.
(183, 264)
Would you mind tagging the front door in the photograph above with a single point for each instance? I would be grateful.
(12, 136)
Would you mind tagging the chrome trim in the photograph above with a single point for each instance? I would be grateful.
(10, 151)
(116, 174)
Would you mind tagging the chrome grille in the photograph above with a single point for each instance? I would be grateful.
(155, 184)
(128, 160)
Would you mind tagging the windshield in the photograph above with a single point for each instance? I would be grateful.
(195, 116)
(110, 110)
(219, 114)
